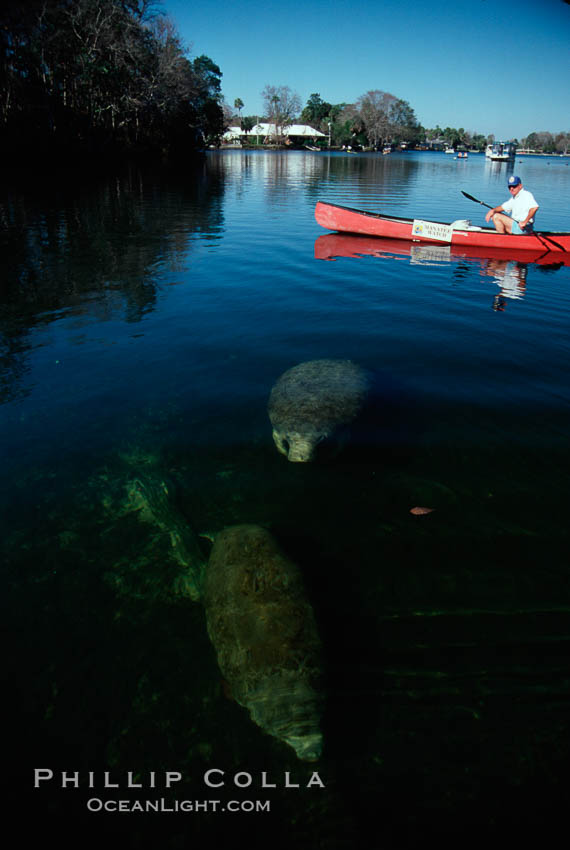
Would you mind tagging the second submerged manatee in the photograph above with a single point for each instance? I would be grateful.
(264, 632)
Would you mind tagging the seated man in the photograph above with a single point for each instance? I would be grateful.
(521, 205)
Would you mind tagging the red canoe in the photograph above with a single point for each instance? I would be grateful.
(347, 220)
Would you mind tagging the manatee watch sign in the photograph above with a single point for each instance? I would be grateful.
(432, 230)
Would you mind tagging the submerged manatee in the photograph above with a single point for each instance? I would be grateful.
(258, 618)
(264, 632)
(314, 402)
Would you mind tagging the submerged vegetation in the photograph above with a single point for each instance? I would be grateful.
(101, 76)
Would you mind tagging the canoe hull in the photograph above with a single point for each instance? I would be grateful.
(360, 222)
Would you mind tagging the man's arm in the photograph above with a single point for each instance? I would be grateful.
(492, 212)
(530, 215)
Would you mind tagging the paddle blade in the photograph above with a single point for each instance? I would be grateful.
(477, 201)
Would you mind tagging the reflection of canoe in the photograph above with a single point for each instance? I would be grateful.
(333, 245)
(347, 220)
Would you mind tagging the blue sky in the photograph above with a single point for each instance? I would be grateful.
(490, 66)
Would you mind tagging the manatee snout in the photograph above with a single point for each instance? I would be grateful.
(312, 405)
(297, 448)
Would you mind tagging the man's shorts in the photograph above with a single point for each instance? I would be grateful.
(516, 231)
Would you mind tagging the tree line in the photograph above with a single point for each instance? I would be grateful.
(100, 76)
(546, 142)
(109, 76)
(377, 118)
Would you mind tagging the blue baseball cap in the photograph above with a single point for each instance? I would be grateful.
(514, 181)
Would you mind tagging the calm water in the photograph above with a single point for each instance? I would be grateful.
(145, 318)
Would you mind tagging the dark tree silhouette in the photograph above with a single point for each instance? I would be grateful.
(101, 75)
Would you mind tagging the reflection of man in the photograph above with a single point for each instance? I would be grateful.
(499, 304)
(522, 206)
(510, 276)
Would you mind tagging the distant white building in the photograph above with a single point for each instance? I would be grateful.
(232, 134)
(292, 132)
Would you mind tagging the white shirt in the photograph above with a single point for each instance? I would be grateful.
(519, 205)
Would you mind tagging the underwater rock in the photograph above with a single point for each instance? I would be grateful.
(265, 635)
(154, 498)
(313, 402)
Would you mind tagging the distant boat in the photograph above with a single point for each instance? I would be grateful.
(312, 148)
(501, 151)
(449, 149)
(386, 150)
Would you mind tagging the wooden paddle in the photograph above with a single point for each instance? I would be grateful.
(477, 201)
